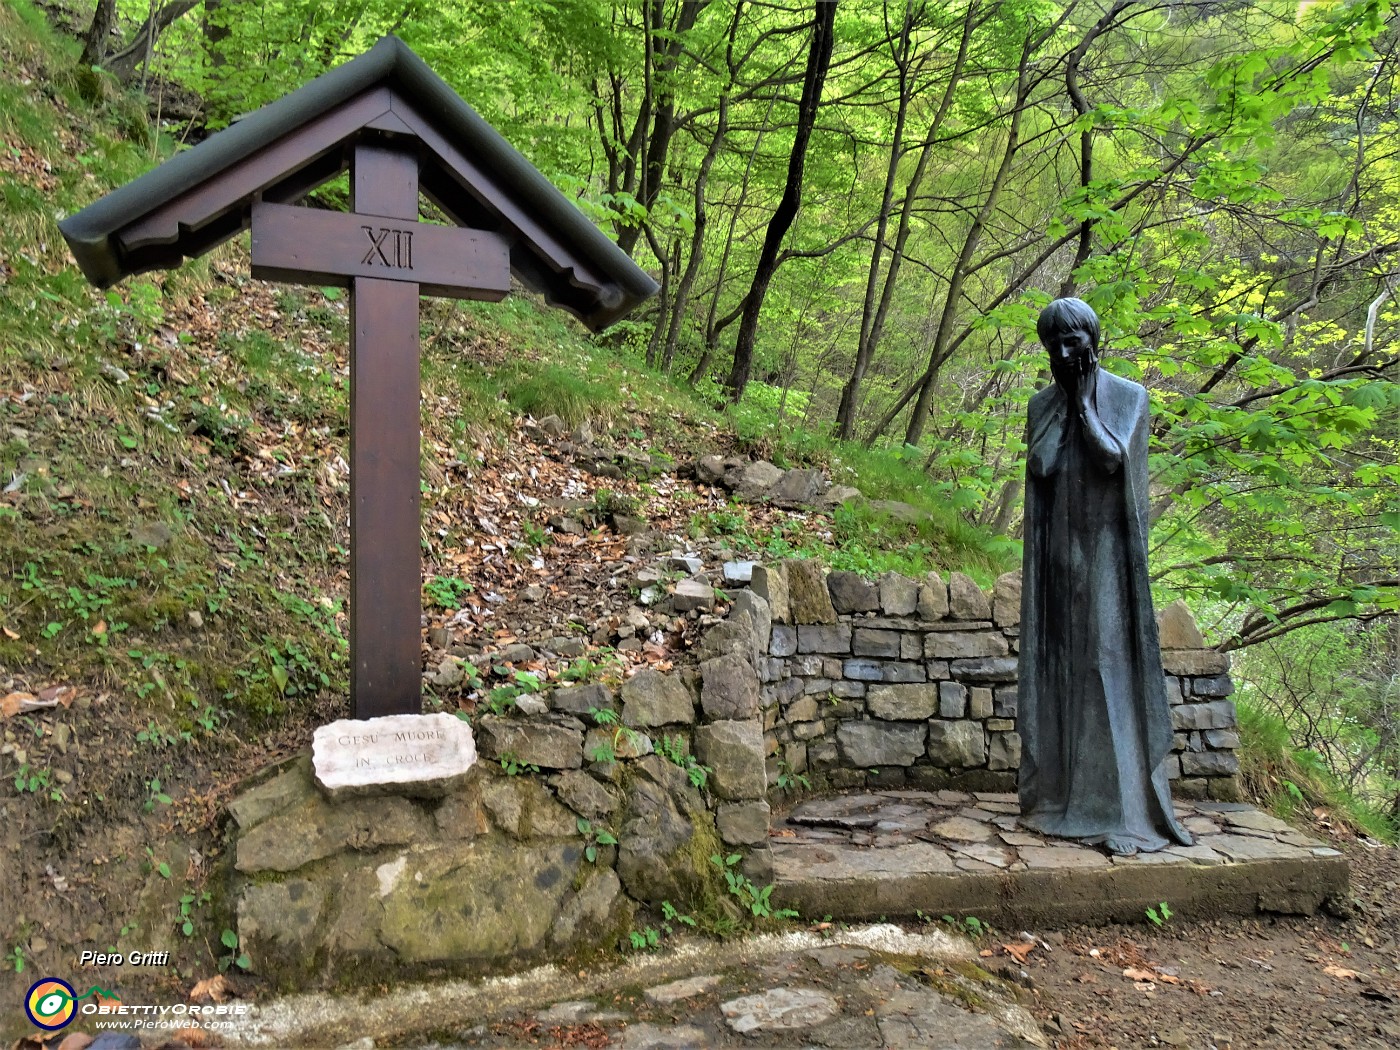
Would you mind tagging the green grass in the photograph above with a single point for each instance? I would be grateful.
(1293, 782)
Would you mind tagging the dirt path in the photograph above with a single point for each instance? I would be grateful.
(1261, 982)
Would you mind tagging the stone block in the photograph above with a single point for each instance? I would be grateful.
(803, 710)
(650, 698)
(549, 746)
(852, 592)
(581, 699)
(966, 600)
(985, 669)
(899, 595)
(848, 690)
(832, 666)
(1218, 714)
(870, 745)
(1173, 688)
(1006, 599)
(1172, 764)
(903, 703)
(523, 808)
(823, 755)
(866, 642)
(911, 646)
(314, 829)
(1005, 751)
(808, 730)
(771, 668)
(1222, 739)
(933, 598)
(769, 582)
(980, 704)
(743, 823)
(1225, 789)
(584, 795)
(1217, 685)
(797, 487)
(734, 751)
(961, 645)
(1177, 628)
(738, 573)
(834, 638)
(277, 924)
(956, 743)
(752, 611)
(1195, 662)
(692, 595)
(729, 688)
(1190, 787)
(937, 670)
(788, 690)
(1004, 701)
(866, 670)
(815, 686)
(806, 664)
(1000, 725)
(952, 700)
(1209, 764)
(783, 640)
(808, 598)
(754, 479)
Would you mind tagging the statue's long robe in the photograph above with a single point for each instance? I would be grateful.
(1093, 715)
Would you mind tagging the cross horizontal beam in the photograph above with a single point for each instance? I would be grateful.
(310, 246)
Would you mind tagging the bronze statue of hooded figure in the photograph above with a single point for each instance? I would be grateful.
(1093, 715)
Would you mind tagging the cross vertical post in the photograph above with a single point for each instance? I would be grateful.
(385, 558)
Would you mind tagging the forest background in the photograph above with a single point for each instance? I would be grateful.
(855, 210)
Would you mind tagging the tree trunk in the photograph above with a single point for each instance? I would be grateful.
(99, 34)
(124, 63)
(818, 61)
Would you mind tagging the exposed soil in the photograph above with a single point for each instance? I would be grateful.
(1275, 981)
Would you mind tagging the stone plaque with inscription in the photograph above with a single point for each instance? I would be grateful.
(424, 755)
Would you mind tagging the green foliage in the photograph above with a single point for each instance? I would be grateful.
(232, 956)
(790, 781)
(757, 900)
(446, 592)
(676, 749)
(593, 838)
(1159, 916)
(559, 391)
(513, 766)
(970, 926)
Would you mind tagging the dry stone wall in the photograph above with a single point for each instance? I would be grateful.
(900, 682)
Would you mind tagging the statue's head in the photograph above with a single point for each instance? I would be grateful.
(1069, 330)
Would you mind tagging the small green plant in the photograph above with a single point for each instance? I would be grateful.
(190, 902)
(606, 502)
(534, 534)
(757, 899)
(971, 926)
(446, 592)
(790, 781)
(603, 716)
(15, 958)
(593, 838)
(583, 668)
(31, 779)
(645, 939)
(233, 957)
(1160, 915)
(674, 750)
(154, 795)
(513, 766)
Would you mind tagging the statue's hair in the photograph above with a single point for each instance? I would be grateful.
(1068, 315)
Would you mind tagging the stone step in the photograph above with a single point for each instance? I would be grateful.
(895, 854)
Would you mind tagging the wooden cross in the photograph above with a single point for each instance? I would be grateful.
(387, 258)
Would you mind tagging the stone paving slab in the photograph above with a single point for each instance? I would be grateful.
(892, 854)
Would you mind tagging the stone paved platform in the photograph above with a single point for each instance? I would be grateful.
(895, 853)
